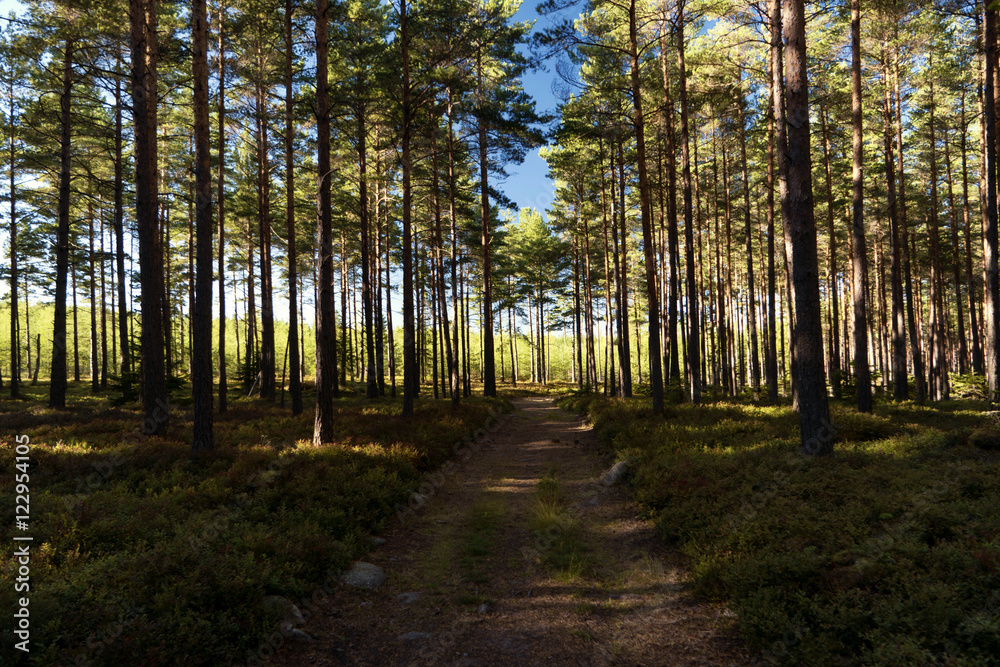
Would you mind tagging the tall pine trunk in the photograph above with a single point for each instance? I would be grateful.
(862, 372)
(652, 300)
(145, 53)
(797, 209)
(693, 298)
(201, 315)
(751, 293)
(326, 363)
(57, 386)
(295, 379)
(15, 333)
(221, 203)
(409, 350)
(900, 386)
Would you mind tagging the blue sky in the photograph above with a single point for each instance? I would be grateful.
(529, 184)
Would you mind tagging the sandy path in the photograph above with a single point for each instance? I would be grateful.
(465, 585)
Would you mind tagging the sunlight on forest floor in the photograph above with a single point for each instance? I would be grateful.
(886, 553)
(141, 550)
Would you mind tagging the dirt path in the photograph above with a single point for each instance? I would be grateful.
(469, 583)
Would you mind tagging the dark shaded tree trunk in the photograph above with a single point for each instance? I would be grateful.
(371, 385)
(797, 208)
(652, 300)
(862, 372)
(673, 372)
(57, 386)
(900, 386)
(453, 223)
(835, 369)
(991, 288)
(15, 332)
(267, 354)
(145, 53)
(772, 332)
(911, 320)
(409, 350)
(751, 292)
(295, 379)
(221, 203)
(956, 264)
(939, 360)
(489, 364)
(442, 300)
(693, 298)
(976, 347)
(201, 315)
(326, 342)
(95, 380)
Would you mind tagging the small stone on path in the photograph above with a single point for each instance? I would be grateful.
(416, 636)
(364, 575)
(616, 473)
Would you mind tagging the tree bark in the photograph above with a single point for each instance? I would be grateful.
(267, 354)
(673, 348)
(295, 379)
(835, 369)
(221, 203)
(797, 208)
(143, 29)
(653, 303)
(15, 332)
(57, 386)
(977, 348)
(900, 386)
(991, 305)
(862, 372)
(409, 350)
(751, 293)
(326, 350)
(911, 320)
(201, 315)
(939, 361)
(693, 298)
(489, 365)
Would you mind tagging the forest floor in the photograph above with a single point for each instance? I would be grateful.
(523, 557)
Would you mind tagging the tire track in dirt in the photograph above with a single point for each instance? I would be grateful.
(466, 586)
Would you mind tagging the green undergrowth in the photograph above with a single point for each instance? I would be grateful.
(480, 540)
(145, 555)
(888, 553)
(558, 539)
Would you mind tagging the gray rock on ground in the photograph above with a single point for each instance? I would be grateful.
(616, 473)
(364, 575)
(289, 612)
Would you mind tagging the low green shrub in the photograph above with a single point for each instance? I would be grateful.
(887, 553)
(145, 555)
